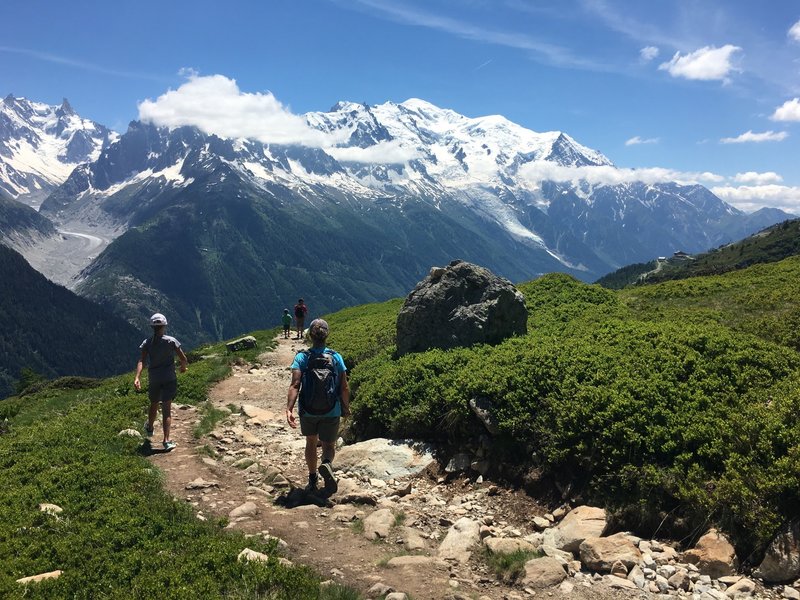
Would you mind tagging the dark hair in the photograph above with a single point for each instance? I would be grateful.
(300, 300)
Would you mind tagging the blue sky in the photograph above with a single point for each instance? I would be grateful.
(691, 86)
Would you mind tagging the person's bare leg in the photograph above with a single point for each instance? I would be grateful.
(166, 410)
(152, 414)
(328, 451)
(311, 453)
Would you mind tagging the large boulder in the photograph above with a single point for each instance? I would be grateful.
(713, 555)
(782, 560)
(601, 553)
(460, 305)
(580, 523)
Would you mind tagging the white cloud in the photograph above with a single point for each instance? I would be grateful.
(750, 198)
(707, 63)
(788, 111)
(758, 178)
(648, 53)
(749, 136)
(387, 153)
(636, 140)
(536, 172)
(215, 105)
(794, 32)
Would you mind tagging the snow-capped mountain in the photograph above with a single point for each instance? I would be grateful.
(220, 230)
(40, 145)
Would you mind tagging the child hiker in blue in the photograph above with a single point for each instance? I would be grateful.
(287, 323)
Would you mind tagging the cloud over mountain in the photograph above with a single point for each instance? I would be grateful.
(707, 63)
(215, 105)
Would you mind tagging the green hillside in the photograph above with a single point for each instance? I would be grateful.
(677, 402)
(675, 406)
(48, 329)
(770, 245)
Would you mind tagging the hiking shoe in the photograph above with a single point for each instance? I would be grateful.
(148, 429)
(311, 486)
(170, 445)
(331, 486)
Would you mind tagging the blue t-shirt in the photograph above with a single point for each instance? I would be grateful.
(161, 357)
(301, 360)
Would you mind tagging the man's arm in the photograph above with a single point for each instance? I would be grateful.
(291, 398)
(345, 390)
(139, 366)
(182, 358)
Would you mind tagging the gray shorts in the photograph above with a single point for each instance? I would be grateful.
(327, 428)
(163, 392)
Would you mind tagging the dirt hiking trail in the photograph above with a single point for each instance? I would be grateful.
(252, 457)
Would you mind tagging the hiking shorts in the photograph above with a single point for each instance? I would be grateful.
(327, 428)
(163, 392)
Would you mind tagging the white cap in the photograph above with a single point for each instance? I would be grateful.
(157, 320)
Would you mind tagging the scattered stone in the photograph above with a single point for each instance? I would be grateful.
(248, 509)
(619, 569)
(251, 439)
(543, 572)
(713, 555)
(636, 575)
(130, 433)
(247, 555)
(379, 589)
(460, 305)
(201, 484)
(566, 587)
(411, 538)
(743, 586)
(39, 577)
(378, 524)
(243, 463)
(460, 539)
(680, 580)
(619, 583)
(51, 509)
(553, 552)
(507, 545)
(541, 523)
(242, 343)
(396, 596)
(359, 498)
(209, 461)
(790, 593)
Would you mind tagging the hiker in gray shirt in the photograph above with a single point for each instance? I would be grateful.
(159, 352)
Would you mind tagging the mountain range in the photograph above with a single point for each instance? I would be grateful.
(224, 233)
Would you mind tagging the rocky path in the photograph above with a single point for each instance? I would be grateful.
(395, 524)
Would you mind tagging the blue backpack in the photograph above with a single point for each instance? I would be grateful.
(320, 386)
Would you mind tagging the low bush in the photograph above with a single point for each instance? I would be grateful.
(629, 408)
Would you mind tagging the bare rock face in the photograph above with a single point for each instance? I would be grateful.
(460, 305)
(782, 560)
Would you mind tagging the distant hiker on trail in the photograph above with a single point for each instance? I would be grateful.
(159, 352)
(319, 379)
(300, 310)
(287, 323)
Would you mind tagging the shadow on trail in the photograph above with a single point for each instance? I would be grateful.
(147, 449)
(302, 497)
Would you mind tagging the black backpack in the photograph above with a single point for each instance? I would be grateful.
(319, 388)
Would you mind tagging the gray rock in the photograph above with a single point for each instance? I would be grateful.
(130, 433)
(484, 410)
(790, 593)
(396, 596)
(460, 462)
(411, 538)
(201, 484)
(385, 459)
(782, 560)
(379, 589)
(680, 580)
(378, 524)
(248, 509)
(636, 575)
(462, 536)
(243, 343)
(460, 305)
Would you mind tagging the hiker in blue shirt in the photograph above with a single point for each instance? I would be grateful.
(159, 353)
(319, 380)
(287, 323)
